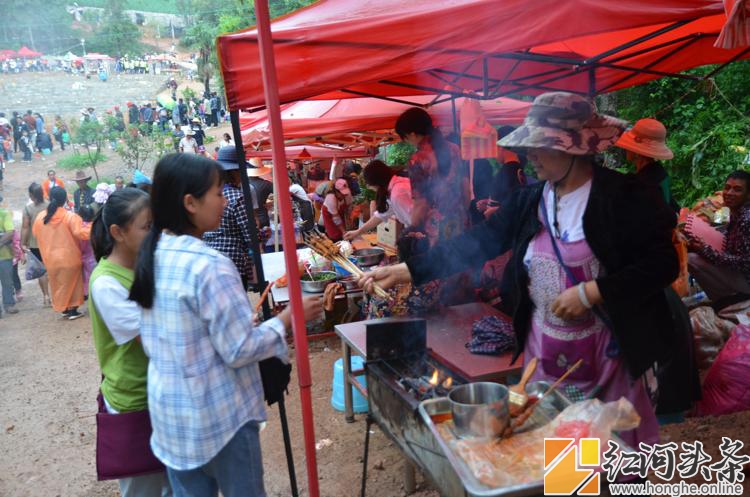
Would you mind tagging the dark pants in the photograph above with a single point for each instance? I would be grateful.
(27, 154)
(16, 279)
(215, 117)
(16, 142)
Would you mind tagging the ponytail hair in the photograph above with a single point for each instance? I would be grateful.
(57, 198)
(120, 209)
(379, 175)
(416, 120)
(175, 176)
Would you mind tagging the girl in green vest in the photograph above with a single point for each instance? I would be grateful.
(118, 230)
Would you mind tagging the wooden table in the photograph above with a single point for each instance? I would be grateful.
(447, 334)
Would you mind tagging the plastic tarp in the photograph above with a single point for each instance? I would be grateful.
(97, 56)
(344, 48)
(26, 52)
(355, 120)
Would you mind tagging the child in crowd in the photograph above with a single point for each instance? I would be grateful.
(25, 144)
(117, 232)
(87, 254)
(205, 395)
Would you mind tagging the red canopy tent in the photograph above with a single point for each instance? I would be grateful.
(363, 121)
(311, 152)
(28, 53)
(475, 48)
(97, 56)
(7, 54)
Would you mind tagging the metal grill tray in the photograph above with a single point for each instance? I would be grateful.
(546, 411)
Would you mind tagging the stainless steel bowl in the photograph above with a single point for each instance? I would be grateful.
(316, 286)
(350, 283)
(368, 257)
(480, 409)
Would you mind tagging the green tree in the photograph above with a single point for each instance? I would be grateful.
(135, 148)
(707, 125)
(40, 24)
(116, 34)
(92, 137)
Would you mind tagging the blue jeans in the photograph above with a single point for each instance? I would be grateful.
(237, 470)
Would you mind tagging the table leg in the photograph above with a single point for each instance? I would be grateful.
(410, 477)
(348, 394)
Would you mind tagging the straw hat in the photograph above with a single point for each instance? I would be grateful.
(566, 122)
(81, 176)
(648, 138)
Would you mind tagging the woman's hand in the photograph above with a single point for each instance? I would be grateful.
(351, 235)
(568, 304)
(386, 277)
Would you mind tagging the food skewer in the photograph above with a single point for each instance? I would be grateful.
(526, 414)
(263, 297)
(323, 245)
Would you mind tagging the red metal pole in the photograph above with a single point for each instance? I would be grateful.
(271, 91)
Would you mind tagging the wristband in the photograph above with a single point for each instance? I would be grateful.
(582, 296)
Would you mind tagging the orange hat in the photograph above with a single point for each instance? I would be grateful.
(647, 137)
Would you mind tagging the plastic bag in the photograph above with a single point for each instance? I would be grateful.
(726, 388)
(34, 267)
(710, 333)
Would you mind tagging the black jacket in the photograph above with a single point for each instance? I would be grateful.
(629, 229)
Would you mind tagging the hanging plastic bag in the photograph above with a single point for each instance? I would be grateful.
(726, 388)
(34, 267)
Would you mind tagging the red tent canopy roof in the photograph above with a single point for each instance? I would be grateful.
(313, 152)
(336, 118)
(27, 52)
(336, 48)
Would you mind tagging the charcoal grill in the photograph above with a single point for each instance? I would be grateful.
(399, 368)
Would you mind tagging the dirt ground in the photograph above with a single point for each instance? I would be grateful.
(49, 374)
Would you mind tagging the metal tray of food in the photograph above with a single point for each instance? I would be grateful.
(550, 406)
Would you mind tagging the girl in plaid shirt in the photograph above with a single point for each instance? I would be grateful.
(205, 394)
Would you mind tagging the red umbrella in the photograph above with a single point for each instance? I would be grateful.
(28, 53)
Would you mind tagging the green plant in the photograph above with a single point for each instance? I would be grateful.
(188, 94)
(91, 136)
(78, 161)
(399, 153)
(136, 147)
(366, 195)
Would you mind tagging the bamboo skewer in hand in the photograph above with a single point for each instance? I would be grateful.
(325, 247)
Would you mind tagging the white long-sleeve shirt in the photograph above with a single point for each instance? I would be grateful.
(400, 202)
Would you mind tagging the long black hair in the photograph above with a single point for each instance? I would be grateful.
(121, 208)
(378, 174)
(175, 176)
(58, 197)
(419, 122)
(36, 194)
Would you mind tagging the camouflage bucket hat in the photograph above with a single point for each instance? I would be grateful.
(566, 122)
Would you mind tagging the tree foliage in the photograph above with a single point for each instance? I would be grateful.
(707, 123)
(116, 34)
(209, 19)
(91, 138)
(40, 24)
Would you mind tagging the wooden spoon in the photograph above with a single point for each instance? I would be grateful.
(518, 398)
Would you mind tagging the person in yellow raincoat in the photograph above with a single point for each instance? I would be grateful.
(58, 232)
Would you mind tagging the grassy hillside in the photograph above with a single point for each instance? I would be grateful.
(166, 6)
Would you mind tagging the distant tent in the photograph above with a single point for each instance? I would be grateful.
(28, 53)
(7, 54)
(97, 56)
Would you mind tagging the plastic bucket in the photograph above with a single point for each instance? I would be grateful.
(359, 403)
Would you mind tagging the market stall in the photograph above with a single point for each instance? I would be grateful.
(467, 49)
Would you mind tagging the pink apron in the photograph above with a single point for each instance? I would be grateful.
(558, 344)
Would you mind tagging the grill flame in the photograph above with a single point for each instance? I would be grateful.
(434, 378)
(448, 383)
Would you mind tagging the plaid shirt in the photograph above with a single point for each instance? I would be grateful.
(736, 254)
(233, 236)
(203, 378)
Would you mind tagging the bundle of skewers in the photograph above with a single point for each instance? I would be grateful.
(325, 247)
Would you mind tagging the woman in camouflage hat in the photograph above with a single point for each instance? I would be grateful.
(591, 255)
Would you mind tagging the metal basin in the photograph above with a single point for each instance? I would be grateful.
(480, 409)
(350, 283)
(368, 257)
(317, 286)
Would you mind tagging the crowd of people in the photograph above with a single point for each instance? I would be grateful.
(587, 262)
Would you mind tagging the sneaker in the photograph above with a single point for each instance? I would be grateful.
(11, 309)
(74, 314)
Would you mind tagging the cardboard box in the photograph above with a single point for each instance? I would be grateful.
(389, 233)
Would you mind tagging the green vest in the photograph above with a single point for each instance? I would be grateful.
(124, 366)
